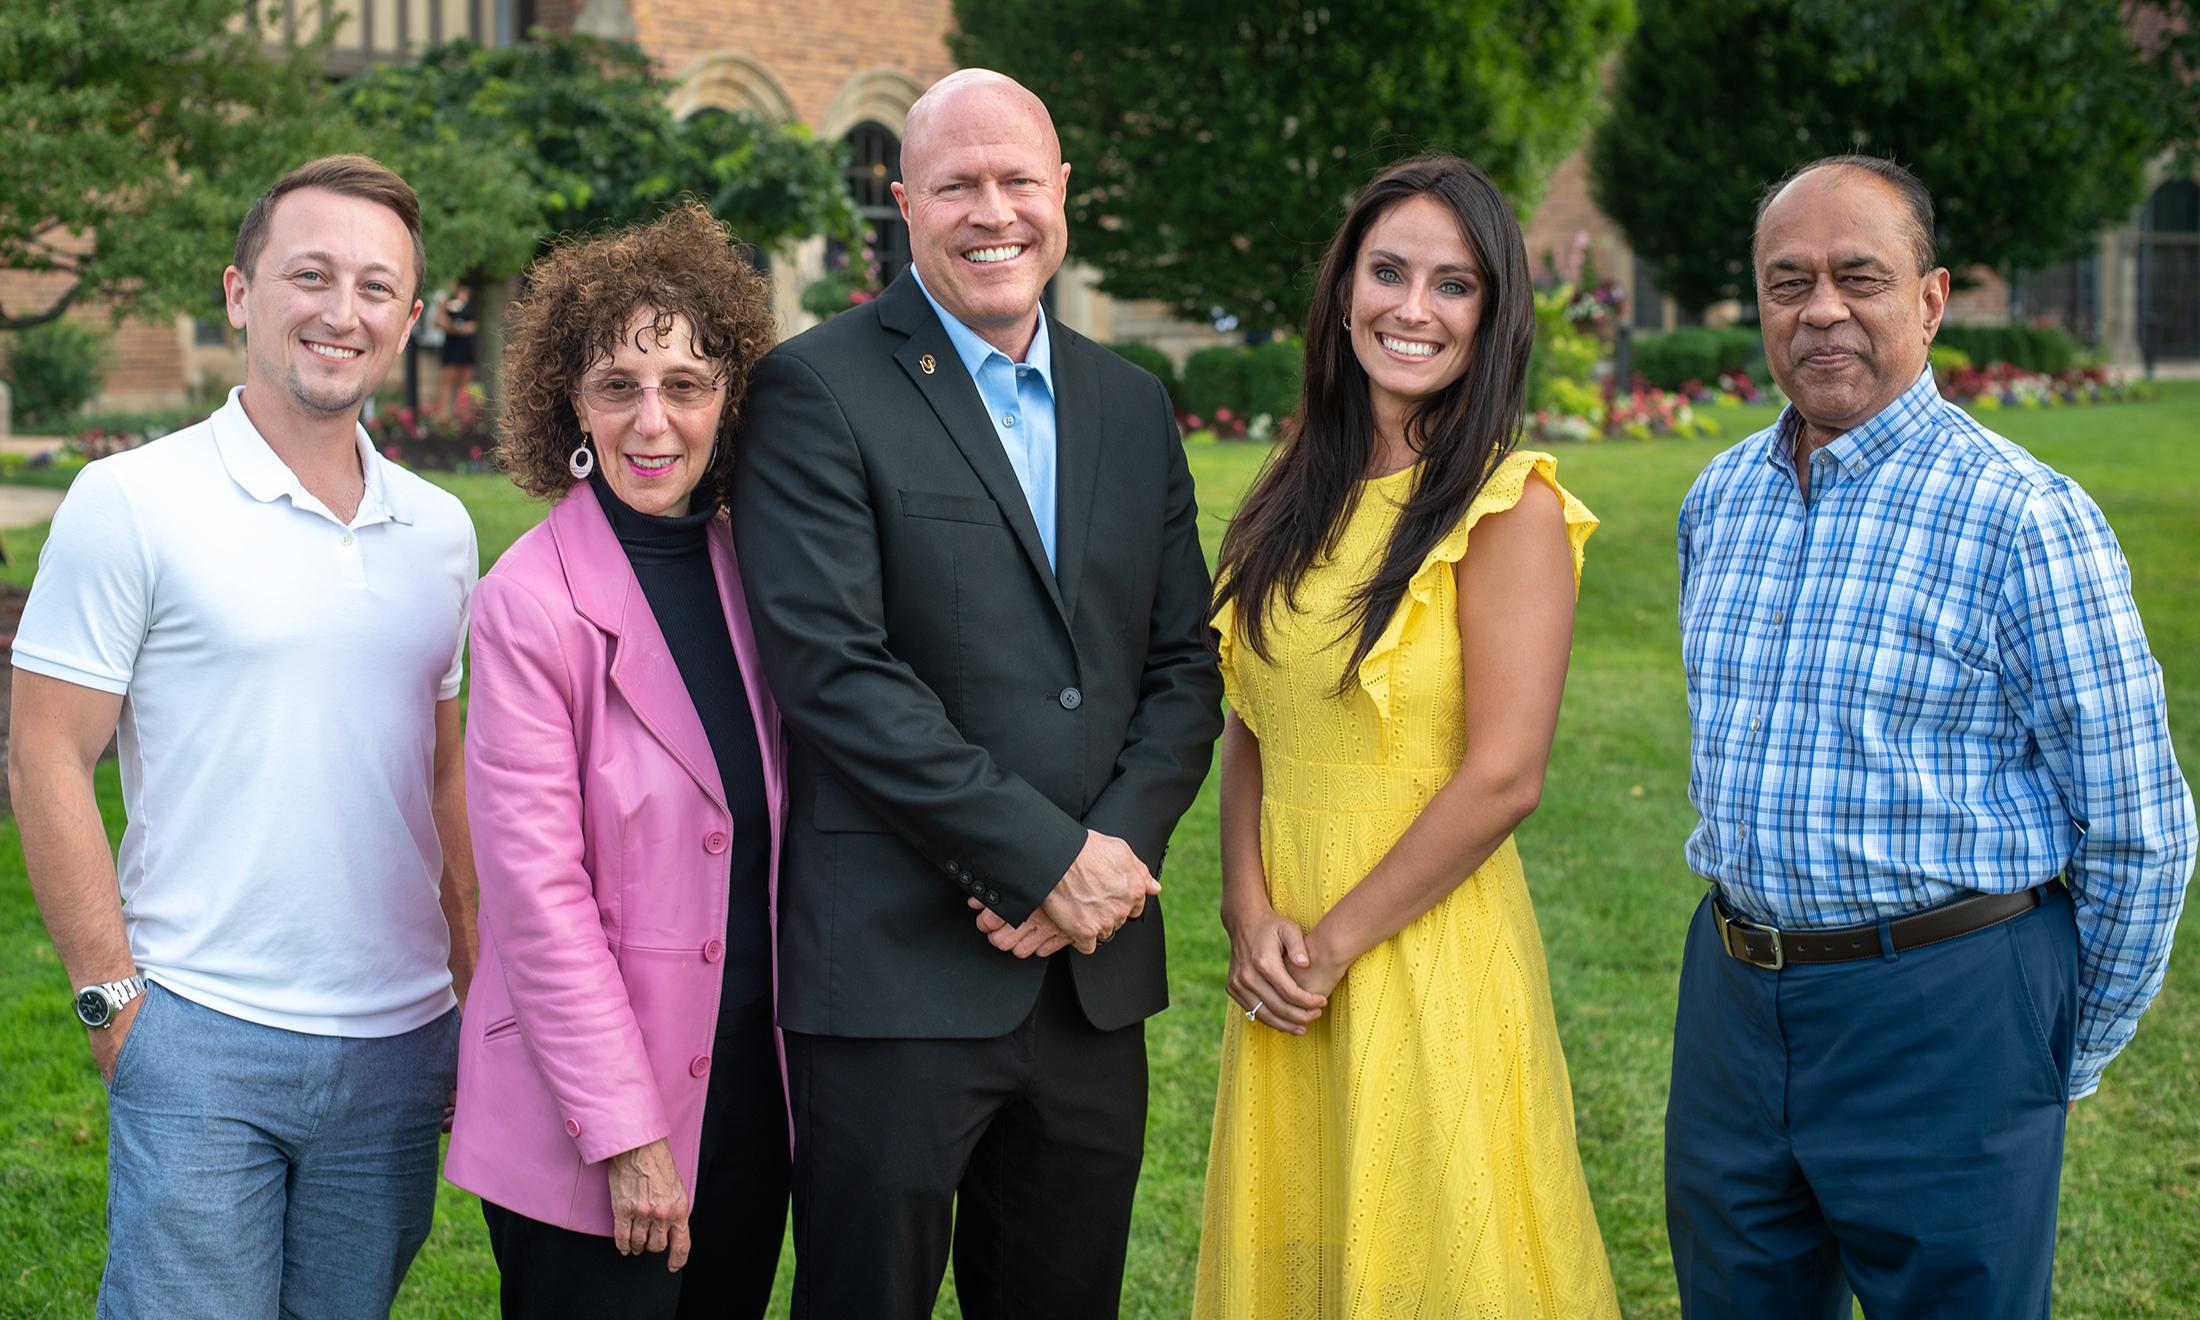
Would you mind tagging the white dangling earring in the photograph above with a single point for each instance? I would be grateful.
(582, 461)
(1347, 319)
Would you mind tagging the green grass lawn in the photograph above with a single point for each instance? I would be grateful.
(1603, 858)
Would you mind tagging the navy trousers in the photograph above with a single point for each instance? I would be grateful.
(1892, 1126)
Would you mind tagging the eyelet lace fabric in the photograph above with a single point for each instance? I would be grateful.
(1412, 1155)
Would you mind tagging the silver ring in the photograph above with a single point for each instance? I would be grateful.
(1253, 1013)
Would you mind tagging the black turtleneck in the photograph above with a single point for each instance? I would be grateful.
(671, 558)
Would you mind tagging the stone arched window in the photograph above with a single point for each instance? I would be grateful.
(722, 80)
(2169, 272)
(874, 166)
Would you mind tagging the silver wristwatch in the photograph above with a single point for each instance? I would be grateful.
(96, 1005)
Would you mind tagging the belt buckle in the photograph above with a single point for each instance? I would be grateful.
(1727, 922)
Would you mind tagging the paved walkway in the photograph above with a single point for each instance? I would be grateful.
(26, 506)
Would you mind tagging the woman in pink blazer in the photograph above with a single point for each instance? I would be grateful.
(621, 1102)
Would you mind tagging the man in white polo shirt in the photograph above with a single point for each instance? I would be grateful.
(274, 616)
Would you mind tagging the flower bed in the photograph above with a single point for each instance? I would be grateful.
(443, 442)
(2003, 385)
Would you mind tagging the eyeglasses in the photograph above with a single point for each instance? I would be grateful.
(618, 394)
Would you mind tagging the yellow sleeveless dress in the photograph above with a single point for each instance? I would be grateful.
(1413, 1154)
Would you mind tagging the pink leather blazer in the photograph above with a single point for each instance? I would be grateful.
(600, 833)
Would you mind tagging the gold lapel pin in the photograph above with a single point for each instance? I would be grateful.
(927, 364)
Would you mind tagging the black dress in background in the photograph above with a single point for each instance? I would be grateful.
(458, 349)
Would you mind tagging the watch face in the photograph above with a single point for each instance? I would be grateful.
(92, 1008)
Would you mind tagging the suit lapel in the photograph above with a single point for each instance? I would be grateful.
(1079, 433)
(947, 387)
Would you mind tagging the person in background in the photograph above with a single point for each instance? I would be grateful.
(274, 614)
(455, 316)
(1945, 830)
(620, 1106)
(1394, 1126)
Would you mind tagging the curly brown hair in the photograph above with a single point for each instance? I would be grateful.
(580, 298)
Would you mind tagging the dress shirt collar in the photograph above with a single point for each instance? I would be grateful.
(975, 352)
(253, 464)
(1861, 447)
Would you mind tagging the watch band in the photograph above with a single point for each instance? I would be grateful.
(115, 993)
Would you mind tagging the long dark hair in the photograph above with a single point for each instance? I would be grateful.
(1299, 506)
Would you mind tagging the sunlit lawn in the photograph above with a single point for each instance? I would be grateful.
(1603, 859)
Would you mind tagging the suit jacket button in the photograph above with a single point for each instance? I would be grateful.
(714, 842)
(572, 1127)
(992, 895)
(714, 950)
(700, 1066)
(1072, 698)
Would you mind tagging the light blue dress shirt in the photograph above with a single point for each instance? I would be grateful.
(1019, 398)
(1925, 680)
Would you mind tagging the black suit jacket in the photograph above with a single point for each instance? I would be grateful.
(959, 715)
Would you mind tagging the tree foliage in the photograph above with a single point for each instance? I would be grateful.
(133, 133)
(2031, 121)
(2172, 43)
(1214, 144)
(585, 125)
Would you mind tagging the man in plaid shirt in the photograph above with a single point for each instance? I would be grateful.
(1945, 830)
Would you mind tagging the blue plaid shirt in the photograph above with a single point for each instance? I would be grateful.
(1928, 679)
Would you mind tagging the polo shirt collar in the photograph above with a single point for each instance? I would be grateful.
(975, 352)
(254, 466)
(1915, 410)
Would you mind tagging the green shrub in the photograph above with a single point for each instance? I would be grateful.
(54, 370)
(1563, 352)
(2052, 351)
(1273, 372)
(1157, 362)
(2029, 348)
(1214, 379)
(1947, 358)
(151, 424)
(1694, 352)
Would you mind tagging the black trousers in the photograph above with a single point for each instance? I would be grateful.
(1018, 1154)
(738, 1221)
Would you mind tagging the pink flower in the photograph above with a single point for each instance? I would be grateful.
(474, 453)
(1222, 415)
(1192, 422)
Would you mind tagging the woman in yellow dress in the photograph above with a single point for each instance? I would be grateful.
(1394, 1131)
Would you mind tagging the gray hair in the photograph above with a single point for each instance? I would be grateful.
(1913, 194)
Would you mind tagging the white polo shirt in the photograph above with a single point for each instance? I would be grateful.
(279, 671)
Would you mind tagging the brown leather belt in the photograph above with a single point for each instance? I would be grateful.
(1772, 948)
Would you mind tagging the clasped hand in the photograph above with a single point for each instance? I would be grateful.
(1275, 969)
(1106, 886)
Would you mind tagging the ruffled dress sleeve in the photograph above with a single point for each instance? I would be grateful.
(1225, 624)
(1501, 492)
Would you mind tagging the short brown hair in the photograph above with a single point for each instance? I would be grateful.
(352, 176)
(581, 296)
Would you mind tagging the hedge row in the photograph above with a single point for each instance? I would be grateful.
(1249, 381)
(2029, 348)
(1696, 353)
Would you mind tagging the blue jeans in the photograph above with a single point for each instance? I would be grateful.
(256, 1172)
(1891, 1126)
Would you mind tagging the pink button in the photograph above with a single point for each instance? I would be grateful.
(572, 1127)
(700, 1066)
(714, 950)
(714, 842)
